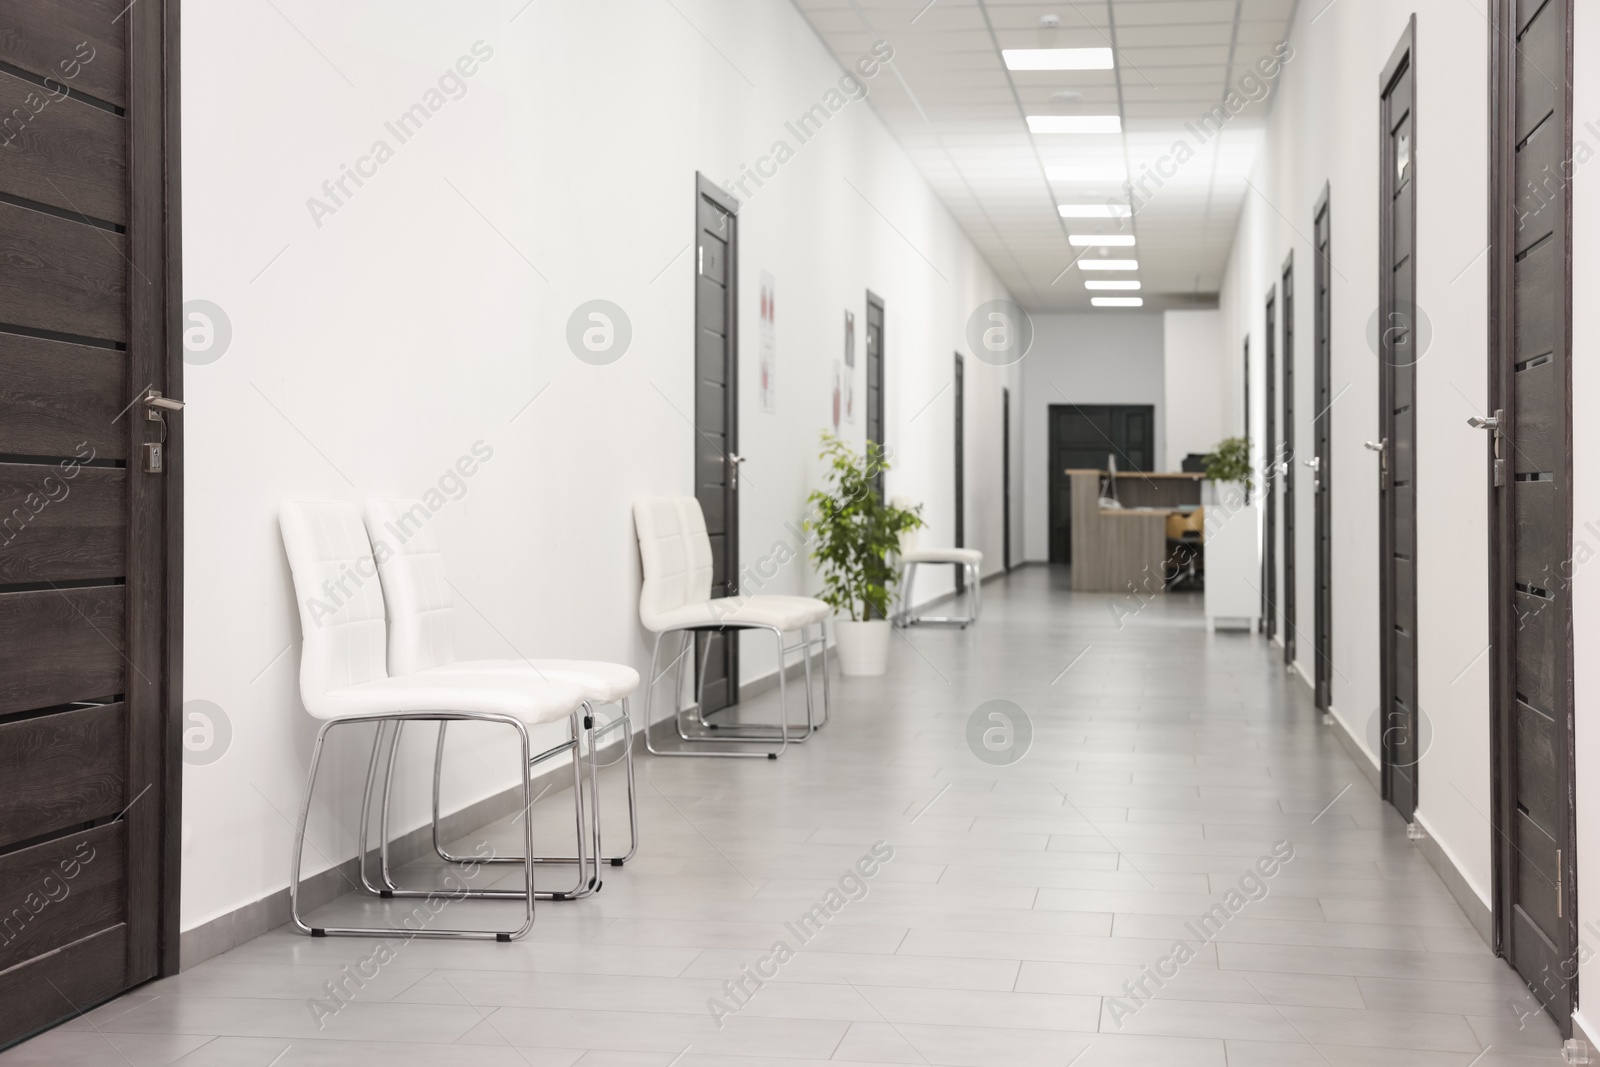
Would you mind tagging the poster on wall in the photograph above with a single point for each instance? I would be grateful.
(838, 393)
(769, 347)
(849, 366)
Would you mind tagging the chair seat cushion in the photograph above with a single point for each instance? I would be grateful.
(600, 682)
(966, 556)
(786, 613)
(528, 699)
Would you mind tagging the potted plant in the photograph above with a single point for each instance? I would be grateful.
(853, 532)
(1229, 463)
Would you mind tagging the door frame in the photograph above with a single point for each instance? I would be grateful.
(1402, 60)
(1322, 431)
(157, 42)
(706, 189)
(876, 408)
(1503, 620)
(1005, 474)
(1291, 527)
(960, 435)
(1269, 482)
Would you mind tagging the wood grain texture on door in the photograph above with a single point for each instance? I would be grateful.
(90, 544)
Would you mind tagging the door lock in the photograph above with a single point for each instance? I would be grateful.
(734, 462)
(1315, 463)
(1495, 424)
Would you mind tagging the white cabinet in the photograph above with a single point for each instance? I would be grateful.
(1233, 559)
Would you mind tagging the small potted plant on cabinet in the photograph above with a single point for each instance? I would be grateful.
(853, 532)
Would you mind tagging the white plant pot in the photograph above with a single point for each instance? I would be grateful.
(862, 647)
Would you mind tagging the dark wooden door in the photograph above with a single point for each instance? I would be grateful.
(716, 422)
(875, 369)
(960, 433)
(90, 563)
(1005, 472)
(1269, 481)
(1286, 472)
(1530, 477)
(1087, 437)
(1321, 461)
(1397, 423)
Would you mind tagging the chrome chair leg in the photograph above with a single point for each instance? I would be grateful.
(730, 737)
(446, 895)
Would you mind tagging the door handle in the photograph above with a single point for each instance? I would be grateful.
(1315, 463)
(734, 462)
(1381, 447)
(155, 404)
(1495, 424)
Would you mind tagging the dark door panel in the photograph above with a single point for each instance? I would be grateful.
(1397, 186)
(1528, 470)
(716, 421)
(90, 543)
(1322, 396)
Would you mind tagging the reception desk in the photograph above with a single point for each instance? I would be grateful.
(1119, 550)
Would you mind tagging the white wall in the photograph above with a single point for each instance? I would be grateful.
(1200, 410)
(429, 312)
(1323, 129)
(1108, 357)
(1585, 195)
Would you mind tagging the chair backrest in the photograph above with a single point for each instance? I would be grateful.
(676, 552)
(342, 627)
(422, 616)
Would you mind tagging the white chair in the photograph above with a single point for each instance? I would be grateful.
(344, 680)
(422, 642)
(970, 560)
(676, 598)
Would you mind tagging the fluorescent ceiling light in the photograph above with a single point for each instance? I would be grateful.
(1095, 240)
(1108, 264)
(1094, 211)
(1057, 58)
(1112, 172)
(1075, 123)
(1094, 284)
(1118, 301)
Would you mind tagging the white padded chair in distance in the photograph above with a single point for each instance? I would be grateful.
(676, 598)
(970, 560)
(421, 611)
(344, 680)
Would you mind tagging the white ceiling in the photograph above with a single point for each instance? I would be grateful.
(961, 115)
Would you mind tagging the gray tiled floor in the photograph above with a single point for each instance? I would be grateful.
(1019, 903)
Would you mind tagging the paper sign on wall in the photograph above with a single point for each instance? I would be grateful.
(769, 346)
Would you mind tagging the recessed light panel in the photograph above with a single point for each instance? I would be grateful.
(1058, 58)
(1075, 123)
(1118, 301)
(1093, 283)
(1094, 211)
(1101, 240)
(1108, 264)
